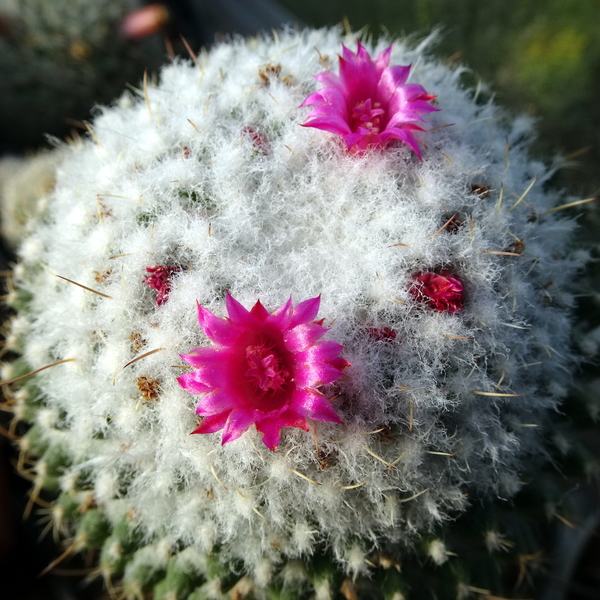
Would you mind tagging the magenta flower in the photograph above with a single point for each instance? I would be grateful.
(369, 103)
(159, 278)
(265, 368)
(438, 290)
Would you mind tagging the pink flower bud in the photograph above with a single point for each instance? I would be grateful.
(259, 141)
(159, 278)
(440, 290)
(145, 21)
(381, 334)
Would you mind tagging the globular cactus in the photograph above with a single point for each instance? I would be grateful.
(58, 58)
(373, 308)
(24, 186)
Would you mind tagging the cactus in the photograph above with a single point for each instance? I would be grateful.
(425, 387)
(24, 186)
(58, 58)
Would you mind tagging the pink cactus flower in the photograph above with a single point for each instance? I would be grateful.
(440, 290)
(369, 103)
(159, 278)
(265, 368)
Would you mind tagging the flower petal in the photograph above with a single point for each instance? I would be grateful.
(305, 311)
(382, 60)
(218, 330)
(323, 352)
(422, 106)
(190, 383)
(270, 427)
(212, 423)
(237, 313)
(347, 53)
(238, 422)
(219, 372)
(316, 98)
(333, 124)
(200, 357)
(352, 139)
(414, 91)
(328, 96)
(391, 79)
(329, 78)
(362, 55)
(217, 401)
(262, 364)
(259, 311)
(404, 136)
(340, 363)
(303, 336)
(310, 403)
(359, 79)
(282, 316)
(369, 98)
(404, 119)
(439, 290)
(313, 374)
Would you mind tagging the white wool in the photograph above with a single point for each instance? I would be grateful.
(355, 559)
(263, 573)
(68, 482)
(47, 418)
(437, 552)
(7, 371)
(178, 182)
(212, 589)
(293, 573)
(115, 550)
(323, 590)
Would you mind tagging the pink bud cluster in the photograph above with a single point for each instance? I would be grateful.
(159, 279)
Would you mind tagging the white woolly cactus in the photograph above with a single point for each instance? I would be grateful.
(445, 278)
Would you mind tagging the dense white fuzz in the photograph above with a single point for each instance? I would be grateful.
(216, 176)
(437, 552)
(495, 541)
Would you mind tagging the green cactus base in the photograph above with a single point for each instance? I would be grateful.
(496, 549)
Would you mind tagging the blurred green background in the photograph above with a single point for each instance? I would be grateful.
(540, 57)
